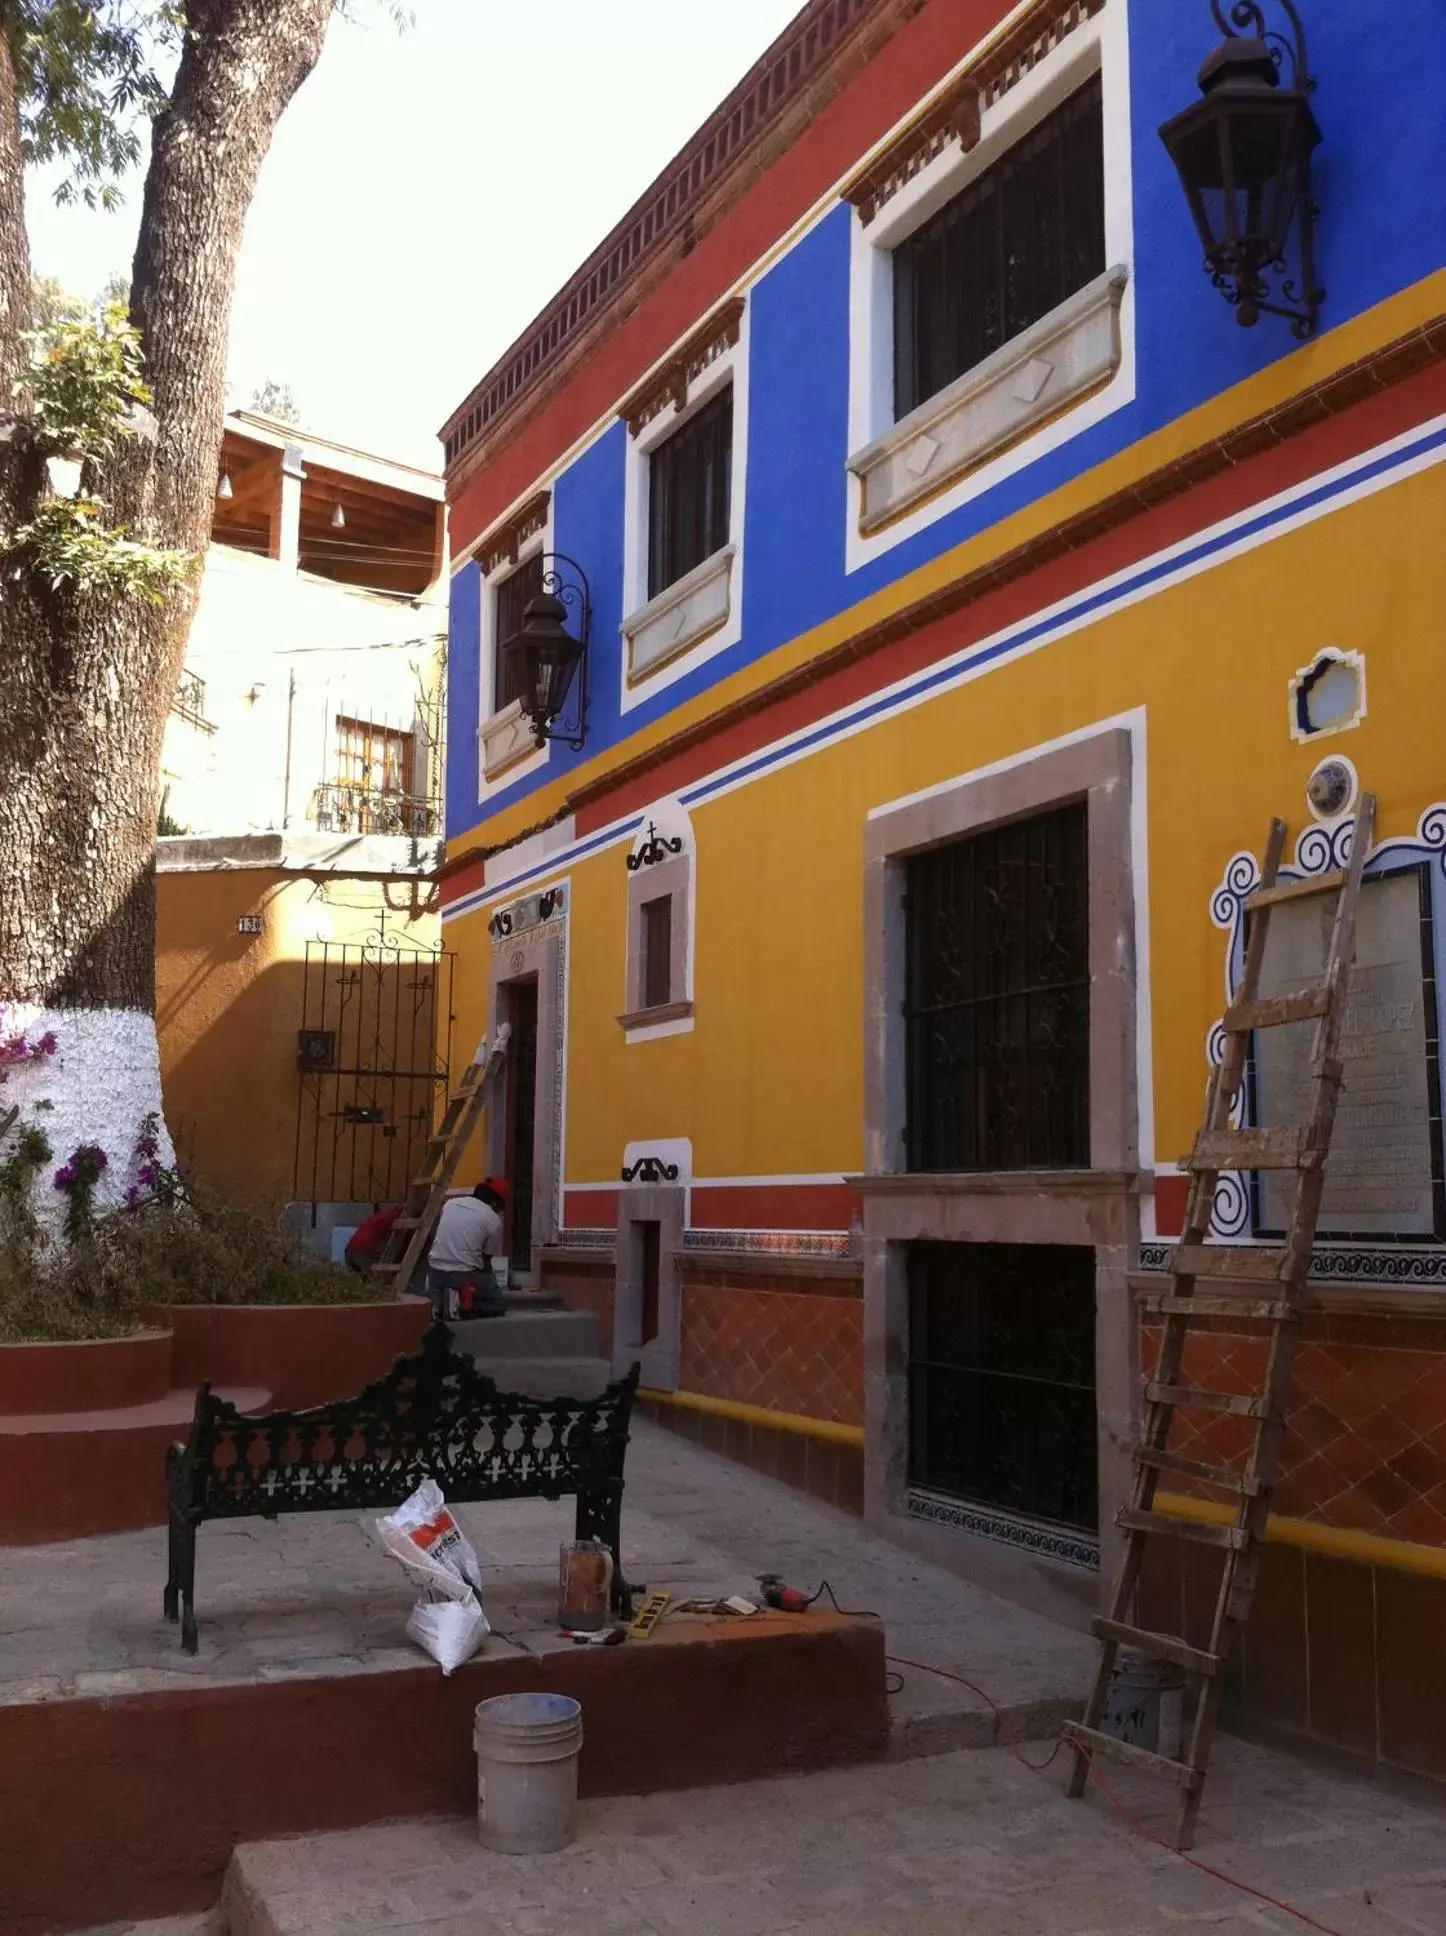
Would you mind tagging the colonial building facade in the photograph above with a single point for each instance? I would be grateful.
(959, 593)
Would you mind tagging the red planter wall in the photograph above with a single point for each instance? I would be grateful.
(303, 1354)
(99, 1375)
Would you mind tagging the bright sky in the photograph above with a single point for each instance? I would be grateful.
(426, 194)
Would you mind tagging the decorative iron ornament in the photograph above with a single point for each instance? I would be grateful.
(1236, 121)
(525, 915)
(650, 1169)
(1049, 1542)
(433, 1415)
(500, 925)
(655, 848)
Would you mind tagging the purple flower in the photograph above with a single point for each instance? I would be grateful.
(47, 1045)
(147, 1175)
(64, 1177)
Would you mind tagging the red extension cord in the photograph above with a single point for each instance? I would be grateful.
(1130, 1821)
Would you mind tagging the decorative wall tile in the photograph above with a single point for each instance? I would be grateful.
(785, 1351)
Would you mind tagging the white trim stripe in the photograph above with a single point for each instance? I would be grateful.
(1357, 478)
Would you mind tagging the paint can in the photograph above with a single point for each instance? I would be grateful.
(527, 1749)
(1146, 1705)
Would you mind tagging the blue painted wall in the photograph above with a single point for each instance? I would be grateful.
(1382, 226)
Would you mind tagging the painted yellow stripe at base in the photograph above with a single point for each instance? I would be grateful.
(791, 1422)
(1336, 1542)
(1270, 388)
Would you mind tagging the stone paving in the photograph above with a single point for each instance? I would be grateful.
(963, 1844)
(311, 1595)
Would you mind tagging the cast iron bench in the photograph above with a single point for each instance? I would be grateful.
(433, 1415)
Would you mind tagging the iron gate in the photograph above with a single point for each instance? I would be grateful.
(373, 1052)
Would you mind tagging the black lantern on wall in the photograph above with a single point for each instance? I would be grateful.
(1243, 154)
(551, 660)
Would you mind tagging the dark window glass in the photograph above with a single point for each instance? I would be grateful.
(658, 951)
(997, 1008)
(1002, 1377)
(690, 480)
(652, 1247)
(512, 596)
(1011, 247)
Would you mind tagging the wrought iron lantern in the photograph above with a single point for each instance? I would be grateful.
(551, 660)
(1243, 154)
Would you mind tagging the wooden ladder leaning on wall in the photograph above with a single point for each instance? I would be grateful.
(412, 1231)
(1219, 1146)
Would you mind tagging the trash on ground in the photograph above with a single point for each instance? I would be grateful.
(448, 1621)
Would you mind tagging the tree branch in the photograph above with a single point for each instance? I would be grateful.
(241, 63)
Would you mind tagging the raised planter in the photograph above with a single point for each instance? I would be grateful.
(93, 1375)
(84, 1427)
(303, 1354)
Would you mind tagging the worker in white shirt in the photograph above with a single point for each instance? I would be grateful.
(469, 1236)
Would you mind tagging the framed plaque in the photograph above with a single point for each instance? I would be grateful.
(1384, 1174)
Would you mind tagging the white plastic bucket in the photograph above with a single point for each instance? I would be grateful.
(1147, 1704)
(527, 1748)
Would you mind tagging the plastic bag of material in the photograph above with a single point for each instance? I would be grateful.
(448, 1621)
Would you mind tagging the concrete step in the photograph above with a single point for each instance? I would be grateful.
(524, 1300)
(529, 1334)
(549, 1377)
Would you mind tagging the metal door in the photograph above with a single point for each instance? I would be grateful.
(373, 1055)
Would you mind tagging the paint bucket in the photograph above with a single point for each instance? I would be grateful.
(1146, 1705)
(527, 1748)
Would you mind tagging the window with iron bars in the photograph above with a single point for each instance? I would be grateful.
(374, 792)
(690, 482)
(513, 594)
(1012, 246)
(996, 1012)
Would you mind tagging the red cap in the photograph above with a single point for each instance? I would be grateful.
(500, 1187)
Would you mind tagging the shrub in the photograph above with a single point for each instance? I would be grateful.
(202, 1250)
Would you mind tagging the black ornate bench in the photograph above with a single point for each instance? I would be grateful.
(434, 1415)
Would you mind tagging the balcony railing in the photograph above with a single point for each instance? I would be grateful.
(190, 701)
(343, 807)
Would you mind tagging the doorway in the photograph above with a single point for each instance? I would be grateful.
(521, 1120)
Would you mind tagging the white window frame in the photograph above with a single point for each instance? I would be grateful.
(1101, 46)
(730, 366)
(518, 768)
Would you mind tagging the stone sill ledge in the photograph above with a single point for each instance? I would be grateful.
(997, 1183)
(641, 1018)
(1037, 375)
(697, 604)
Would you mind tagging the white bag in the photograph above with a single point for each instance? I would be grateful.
(448, 1622)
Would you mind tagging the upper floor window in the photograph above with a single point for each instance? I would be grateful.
(373, 759)
(513, 595)
(381, 784)
(690, 486)
(1021, 238)
(996, 1015)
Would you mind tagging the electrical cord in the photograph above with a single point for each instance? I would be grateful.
(1130, 1820)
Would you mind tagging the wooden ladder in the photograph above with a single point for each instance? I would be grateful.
(1279, 1275)
(410, 1234)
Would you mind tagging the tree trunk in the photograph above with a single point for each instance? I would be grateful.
(87, 683)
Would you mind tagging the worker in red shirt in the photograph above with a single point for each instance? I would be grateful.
(368, 1240)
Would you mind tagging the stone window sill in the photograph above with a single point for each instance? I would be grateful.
(1055, 363)
(507, 737)
(680, 617)
(650, 1017)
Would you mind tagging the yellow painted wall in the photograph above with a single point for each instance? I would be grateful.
(228, 1007)
(770, 1080)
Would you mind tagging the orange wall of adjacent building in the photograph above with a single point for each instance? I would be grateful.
(228, 1007)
